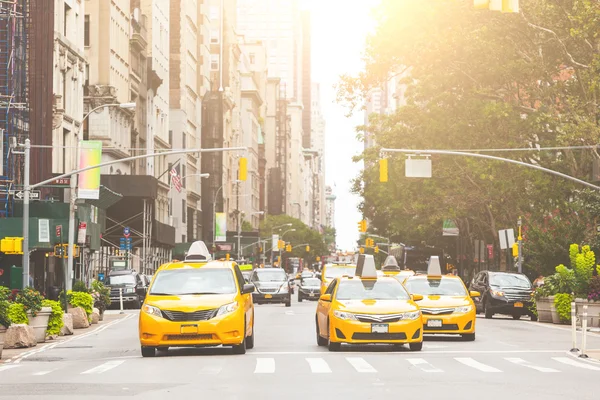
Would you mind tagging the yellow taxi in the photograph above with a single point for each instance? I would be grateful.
(366, 309)
(197, 303)
(335, 270)
(447, 305)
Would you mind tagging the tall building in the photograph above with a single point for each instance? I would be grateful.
(330, 207)
(306, 80)
(318, 145)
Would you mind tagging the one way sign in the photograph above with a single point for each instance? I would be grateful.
(33, 195)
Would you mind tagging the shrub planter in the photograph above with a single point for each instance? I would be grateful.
(554, 313)
(39, 323)
(544, 307)
(593, 311)
(2, 333)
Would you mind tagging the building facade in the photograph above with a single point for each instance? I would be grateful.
(329, 207)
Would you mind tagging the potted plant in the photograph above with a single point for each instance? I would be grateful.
(4, 319)
(32, 300)
(101, 295)
(55, 322)
(83, 300)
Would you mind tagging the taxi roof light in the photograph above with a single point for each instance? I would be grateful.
(365, 267)
(434, 268)
(390, 264)
(198, 252)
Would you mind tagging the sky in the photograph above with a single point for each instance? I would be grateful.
(339, 31)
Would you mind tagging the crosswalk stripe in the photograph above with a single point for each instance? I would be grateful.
(103, 367)
(423, 365)
(568, 361)
(5, 367)
(520, 361)
(264, 366)
(210, 370)
(42, 373)
(361, 365)
(318, 366)
(476, 364)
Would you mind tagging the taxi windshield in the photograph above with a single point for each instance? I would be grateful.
(265, 275)
(436, 287)
(336, 272)
(193, 281)
(371, 290)
(311, 282)
(510, 280)
(115, 280)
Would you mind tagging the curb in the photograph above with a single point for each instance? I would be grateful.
(590, 360)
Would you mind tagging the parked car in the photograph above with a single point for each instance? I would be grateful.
(310, 289)
(503, 293)
(132, 284)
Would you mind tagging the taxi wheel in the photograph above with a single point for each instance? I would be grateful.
(534, 317)
(288, 303)
(148, 351)
(416, 346)
(241, 348)
(516, 316)
(488, 313)
(250, 340)
(468, 337)
(321, 341)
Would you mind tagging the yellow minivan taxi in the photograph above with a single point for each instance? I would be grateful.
(332, 271)
(368, 309)
(197, 303)
(447, 305)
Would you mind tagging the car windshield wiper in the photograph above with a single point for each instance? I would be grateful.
(161, 294)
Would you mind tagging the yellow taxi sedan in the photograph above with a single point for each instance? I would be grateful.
(335, 270)
(366, 309)
(197, 303)
(447, 306)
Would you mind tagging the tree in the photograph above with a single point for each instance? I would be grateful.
(247, 226)
(303, 234)
(478, 79)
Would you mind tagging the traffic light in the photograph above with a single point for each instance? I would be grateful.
(515, 250)
(507, 6)
(243, 169)
(307, 248)
(362, 226)
(383, 170)
(227, 256)
(12, 245)
(288, 248)
(361, 250)
(376, 249)
(60, 251)
(280, 244)
(318, 258)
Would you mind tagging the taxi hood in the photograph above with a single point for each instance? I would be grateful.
(434, 301)
(376, 306)
(189, 303)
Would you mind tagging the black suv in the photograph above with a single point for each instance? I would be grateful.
(133, 285)
(503, 293)
(272, 286)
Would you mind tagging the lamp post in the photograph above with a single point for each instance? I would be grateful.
(73, 197)
(205, 175)
(239, 232)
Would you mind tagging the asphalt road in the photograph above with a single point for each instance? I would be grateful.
(509, 359)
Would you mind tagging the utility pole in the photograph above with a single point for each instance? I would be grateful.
(239, 224)
(26, 192)
(520, 242)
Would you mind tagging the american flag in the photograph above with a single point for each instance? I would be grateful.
(175, 181)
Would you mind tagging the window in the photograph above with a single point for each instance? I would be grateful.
(183, 174)
(65, 22)
(86, 31)
(182, 238)
(252, 57)
(183, 211)
(214, 36)
(170, 140)
(183, 138)
(169, 174)
(214, 62)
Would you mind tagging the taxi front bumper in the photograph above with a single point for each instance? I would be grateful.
(449, 324)
(357, 332)
(224, 330)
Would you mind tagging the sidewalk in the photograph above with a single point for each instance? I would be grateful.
(110, 316)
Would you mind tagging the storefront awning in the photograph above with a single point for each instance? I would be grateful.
(107, 198)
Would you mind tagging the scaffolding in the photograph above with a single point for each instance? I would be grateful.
(14, 94)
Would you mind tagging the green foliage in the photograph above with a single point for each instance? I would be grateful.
(562, 303)
(594, 289)
(55, 322)
(584, 270)
(562, 281)
(101, 295)
(573, 252)
(79, 286)
(17, 314)
(302, 234)
(31, 299)
(247, 226)
(4, 305)
(81, 299)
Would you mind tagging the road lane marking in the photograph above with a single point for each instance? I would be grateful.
(103, 367)
(406, 352)
(264, 366)
(423, 365)
(42, 373)
(476, 364)
(290, 312)
(361, 365)
(523, 363)
(210, 370)
(568, 361)
(318, 366)
(5, 367)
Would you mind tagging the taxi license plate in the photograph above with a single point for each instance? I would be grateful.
(379, 328)
(268, 296)
(519, 305)
(312, 295)
(434, 323)
(189, 328)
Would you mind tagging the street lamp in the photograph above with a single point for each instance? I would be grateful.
(73, 197)
(239, 233)
(215, 210)
(205, 175)
(280, 226)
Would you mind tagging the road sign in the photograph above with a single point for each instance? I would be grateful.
(122, 244)
(58, 230)
(62, 182)
(126, 232)
(128, 243)
(33, 195)
(82, 233)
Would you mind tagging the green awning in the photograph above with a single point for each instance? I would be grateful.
(107, 198)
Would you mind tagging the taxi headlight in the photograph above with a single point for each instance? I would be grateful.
(463, 310)
(227, 308)
(129, 290)
(152, 310)
(344, 315)
(411, 315)
(497, 293)
(284, 288)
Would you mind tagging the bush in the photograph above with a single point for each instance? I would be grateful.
(81, 299)
(79, 286)
(55, 323)
(17, 314)
(31, 299)
(4, 305)
(562, 303)
(101, 295)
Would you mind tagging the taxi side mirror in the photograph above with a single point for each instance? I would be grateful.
(473, 293)
(325, 297)
(417, 297)
(247, 288)
(318, 275)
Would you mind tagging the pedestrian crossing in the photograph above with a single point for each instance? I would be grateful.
(327, 364)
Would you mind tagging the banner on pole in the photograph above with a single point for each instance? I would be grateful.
(89, 181)
(220, 227)
(275, 243)
(449, 228)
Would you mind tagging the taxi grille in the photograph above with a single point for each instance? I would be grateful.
(188, 337)
(378, 318)
(268, 290)
(379, 336)
(437, 311)
(445, 327)
(179, 316)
